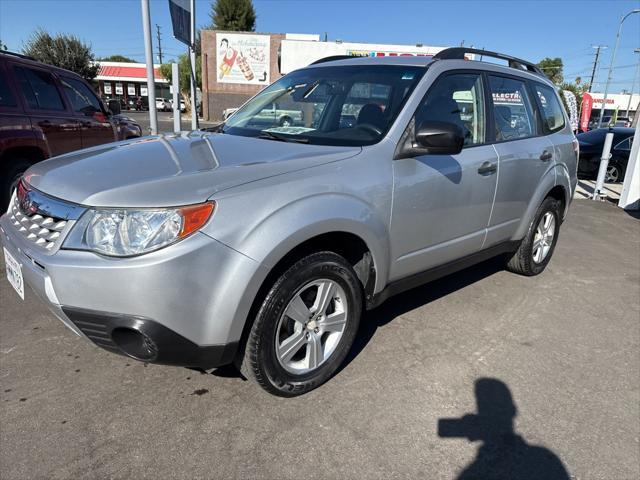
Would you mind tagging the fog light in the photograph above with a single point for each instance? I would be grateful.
(135, 344)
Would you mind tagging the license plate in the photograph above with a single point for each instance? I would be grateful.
(14, 273)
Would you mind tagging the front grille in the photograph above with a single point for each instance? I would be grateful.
(42, 230)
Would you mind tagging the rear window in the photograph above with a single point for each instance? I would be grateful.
(39, 89)
(512, 110)
(6, 97)
(552, 114)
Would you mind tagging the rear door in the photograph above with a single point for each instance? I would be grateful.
(52, 120)
(524, 153)
(95, 127)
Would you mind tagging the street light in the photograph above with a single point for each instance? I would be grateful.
(633, 86)
(613, 59)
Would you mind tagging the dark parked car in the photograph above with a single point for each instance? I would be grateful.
(126, 127)
(46, 111)
(591, 145)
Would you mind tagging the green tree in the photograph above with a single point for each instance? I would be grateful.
(233, 15)
(118, 58)
(552, 68)
(64, 51)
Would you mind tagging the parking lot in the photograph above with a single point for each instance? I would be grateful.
(563, 348)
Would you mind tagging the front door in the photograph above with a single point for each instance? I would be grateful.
(442, 203)
(96, 128)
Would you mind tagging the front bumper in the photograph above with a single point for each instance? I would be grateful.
(186, 301)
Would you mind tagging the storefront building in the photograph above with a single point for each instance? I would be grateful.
(128, 81)
(615, 101)
(237, 65)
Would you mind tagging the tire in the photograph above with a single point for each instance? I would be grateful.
(11, 173)
(615, 173)
(532, 257)
(285, 122)
(295, 370)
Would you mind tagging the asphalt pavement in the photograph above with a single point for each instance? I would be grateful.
(542, 375)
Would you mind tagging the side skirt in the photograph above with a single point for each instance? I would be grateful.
(440, 271)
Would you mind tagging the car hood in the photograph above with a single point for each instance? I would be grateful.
(172, 169)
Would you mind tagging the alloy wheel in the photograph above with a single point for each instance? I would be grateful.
(311, 326)
(612, 175)
(543, 240)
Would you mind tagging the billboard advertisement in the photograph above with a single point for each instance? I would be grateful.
(243, 58)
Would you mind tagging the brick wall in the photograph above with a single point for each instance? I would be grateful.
(218, 96)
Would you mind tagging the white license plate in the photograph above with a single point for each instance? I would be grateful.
(14, 273)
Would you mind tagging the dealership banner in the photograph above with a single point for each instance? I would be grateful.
(587, 106)
(572, 104)
(243, 58)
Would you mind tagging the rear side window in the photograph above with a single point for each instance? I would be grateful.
(552, 115)
(6, 97)
(82, 98)
(39, 89)
(512, 109)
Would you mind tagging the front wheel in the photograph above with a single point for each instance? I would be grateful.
(614, 173)
(305, 326)
(537, 247)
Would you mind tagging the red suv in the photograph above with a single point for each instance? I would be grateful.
(46, 111)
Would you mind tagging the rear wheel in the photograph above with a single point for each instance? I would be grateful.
(614, 173)
(305, 326)
(538, 245)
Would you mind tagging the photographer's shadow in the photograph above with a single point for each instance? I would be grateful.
(503, 454)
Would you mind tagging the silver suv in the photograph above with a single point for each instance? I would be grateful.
(261, 244)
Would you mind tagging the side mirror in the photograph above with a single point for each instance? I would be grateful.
(440, 138)
(114, 107)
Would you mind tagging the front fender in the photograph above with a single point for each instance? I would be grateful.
(268, 239)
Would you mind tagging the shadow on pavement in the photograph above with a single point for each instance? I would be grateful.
(503, 454)
(412, 299)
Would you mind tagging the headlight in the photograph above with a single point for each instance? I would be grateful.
(125, 232)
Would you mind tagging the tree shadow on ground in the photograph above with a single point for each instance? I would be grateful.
(503, 454)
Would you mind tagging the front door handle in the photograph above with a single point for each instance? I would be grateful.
(487, 168)
(546, 156)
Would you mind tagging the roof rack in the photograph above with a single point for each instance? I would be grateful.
(458, 53)
(20, 55)
(333, 58)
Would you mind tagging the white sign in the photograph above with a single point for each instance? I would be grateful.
(297, 54)
(243, 58)
(143, 91)
(118, 89)
(107, 89)
(131, 89)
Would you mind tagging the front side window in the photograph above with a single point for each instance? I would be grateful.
(552, 114)
(81, 97)
(457, 99)
(39, 89)
(347, 105)
(512, 109)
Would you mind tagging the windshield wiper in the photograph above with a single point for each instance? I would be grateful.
(267, 135)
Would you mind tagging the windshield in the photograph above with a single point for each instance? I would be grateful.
(349, 105)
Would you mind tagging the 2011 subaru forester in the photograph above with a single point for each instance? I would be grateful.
(262, 244)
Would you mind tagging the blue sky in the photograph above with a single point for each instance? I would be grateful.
(527, 29)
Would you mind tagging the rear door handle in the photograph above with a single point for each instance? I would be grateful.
(487, 168)
(546, 156)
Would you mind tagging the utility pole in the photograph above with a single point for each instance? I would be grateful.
(148, 54)
(192, 65)
(633, 86)
(613, 61)
(159, 43)
(595, 65)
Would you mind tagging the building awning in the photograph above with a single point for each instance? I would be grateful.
(127, 73)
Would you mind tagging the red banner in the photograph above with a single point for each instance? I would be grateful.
(587, 105)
